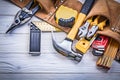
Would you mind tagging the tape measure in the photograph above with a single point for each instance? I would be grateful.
(65, 16)
(44, 26)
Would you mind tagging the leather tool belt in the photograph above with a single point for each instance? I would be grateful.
(107, 8)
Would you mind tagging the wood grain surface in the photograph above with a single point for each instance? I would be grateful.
(17, 64)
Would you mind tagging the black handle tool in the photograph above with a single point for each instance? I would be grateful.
(35, 40)
(24, 15)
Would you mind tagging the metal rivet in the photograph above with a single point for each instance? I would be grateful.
(61, 1)
(56, 7)
(112, 29)
(21, 0)
(50, 13)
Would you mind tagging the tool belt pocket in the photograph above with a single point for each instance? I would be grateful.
(106, 8)
(49, 8)
(110, 10)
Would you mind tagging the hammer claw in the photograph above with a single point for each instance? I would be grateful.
(65, 49)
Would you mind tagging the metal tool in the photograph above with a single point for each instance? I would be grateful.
(99, 45)
(65, 47)
(24, 15)
(96, 52)
(35, 40)
(65, 16)
(84, 44)
(96, 26)
(83, 30)
(109, 55)
(100, 42)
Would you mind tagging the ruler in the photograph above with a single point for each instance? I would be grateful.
(44, 26)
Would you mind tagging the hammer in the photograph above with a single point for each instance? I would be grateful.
(65, 47)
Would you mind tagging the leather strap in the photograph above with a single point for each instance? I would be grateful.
(108, 32)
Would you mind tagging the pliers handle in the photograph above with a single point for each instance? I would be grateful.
(95, 26)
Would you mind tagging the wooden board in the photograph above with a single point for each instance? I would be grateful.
(104, 76)
(17, 64)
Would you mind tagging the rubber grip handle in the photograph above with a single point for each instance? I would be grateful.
(87, 6)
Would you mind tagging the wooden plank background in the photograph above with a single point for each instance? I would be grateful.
(17, 64)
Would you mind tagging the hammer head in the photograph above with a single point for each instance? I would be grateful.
(65, 48)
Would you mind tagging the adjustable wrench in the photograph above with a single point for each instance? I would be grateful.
(95, 27)
(84, 29)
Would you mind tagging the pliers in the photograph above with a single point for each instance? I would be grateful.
(24, 15)
(84, 30)
(95, 26)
